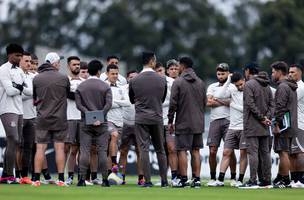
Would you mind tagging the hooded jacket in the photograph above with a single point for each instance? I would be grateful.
(258, 104)
(188, 100)
(286, 101)
(50, 89)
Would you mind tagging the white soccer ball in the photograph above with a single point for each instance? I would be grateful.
(115, 179)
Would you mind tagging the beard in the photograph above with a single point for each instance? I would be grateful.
(76, 71)
(223, 81)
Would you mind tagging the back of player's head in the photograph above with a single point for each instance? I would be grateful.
(253, 68)
(280, 66)
(94, 67)
(14, 48)
(236, 76)
(186, 62)
(147, 57)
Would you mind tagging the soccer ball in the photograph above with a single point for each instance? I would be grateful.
(115, 179)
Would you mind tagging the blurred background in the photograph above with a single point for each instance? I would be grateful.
(210, 31)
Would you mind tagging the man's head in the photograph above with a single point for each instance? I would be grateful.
(94, 68)
(34, 63)
(14, 53)
(112, 73)
(149, 59)
(159, 68)
(185, 63)
(279, 70)
(131, 74)
(296, 71)
(54, 59)
(250, 69)
(112, 59)
(25, 62)
(238, 80)
(222, 72)
(74, 65)
(83, 70)
(172, 68)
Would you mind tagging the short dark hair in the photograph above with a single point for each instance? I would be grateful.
(131, 72)
(69, 59)
(112, 66)
(94, 67)
(236, 76)
(83, 65)
(280, 66)
(298, 66)
(26, 53)
(253, 68)
(159, 65)
(186, 61)
(147, 56)
(112, 57)
(34, 56)
(14, 48)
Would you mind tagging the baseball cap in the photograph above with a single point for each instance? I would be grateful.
(171, 62)
(53, 57)
(222, 67)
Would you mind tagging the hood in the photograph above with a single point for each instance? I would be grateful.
(45, 67)
(262, 78)
(291, 83)
(189, 75)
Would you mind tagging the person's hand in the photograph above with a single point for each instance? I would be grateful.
(171, 128)
(97, 123)
(266, 122)
(18, 86)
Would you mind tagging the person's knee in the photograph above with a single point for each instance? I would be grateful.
(227, 153)
(74, 152)
(59, 147)
(171, 149)
(213, 151)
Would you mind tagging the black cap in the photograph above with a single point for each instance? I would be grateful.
(14, 48)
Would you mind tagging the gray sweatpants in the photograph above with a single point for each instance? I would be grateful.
(258, 152)
(12, 124)
(144, 134)
(87, 135)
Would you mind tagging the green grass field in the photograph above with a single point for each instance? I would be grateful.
(132, 192)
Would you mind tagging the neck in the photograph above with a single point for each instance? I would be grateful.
(73, 75)
(282, 77)
(147, 67)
